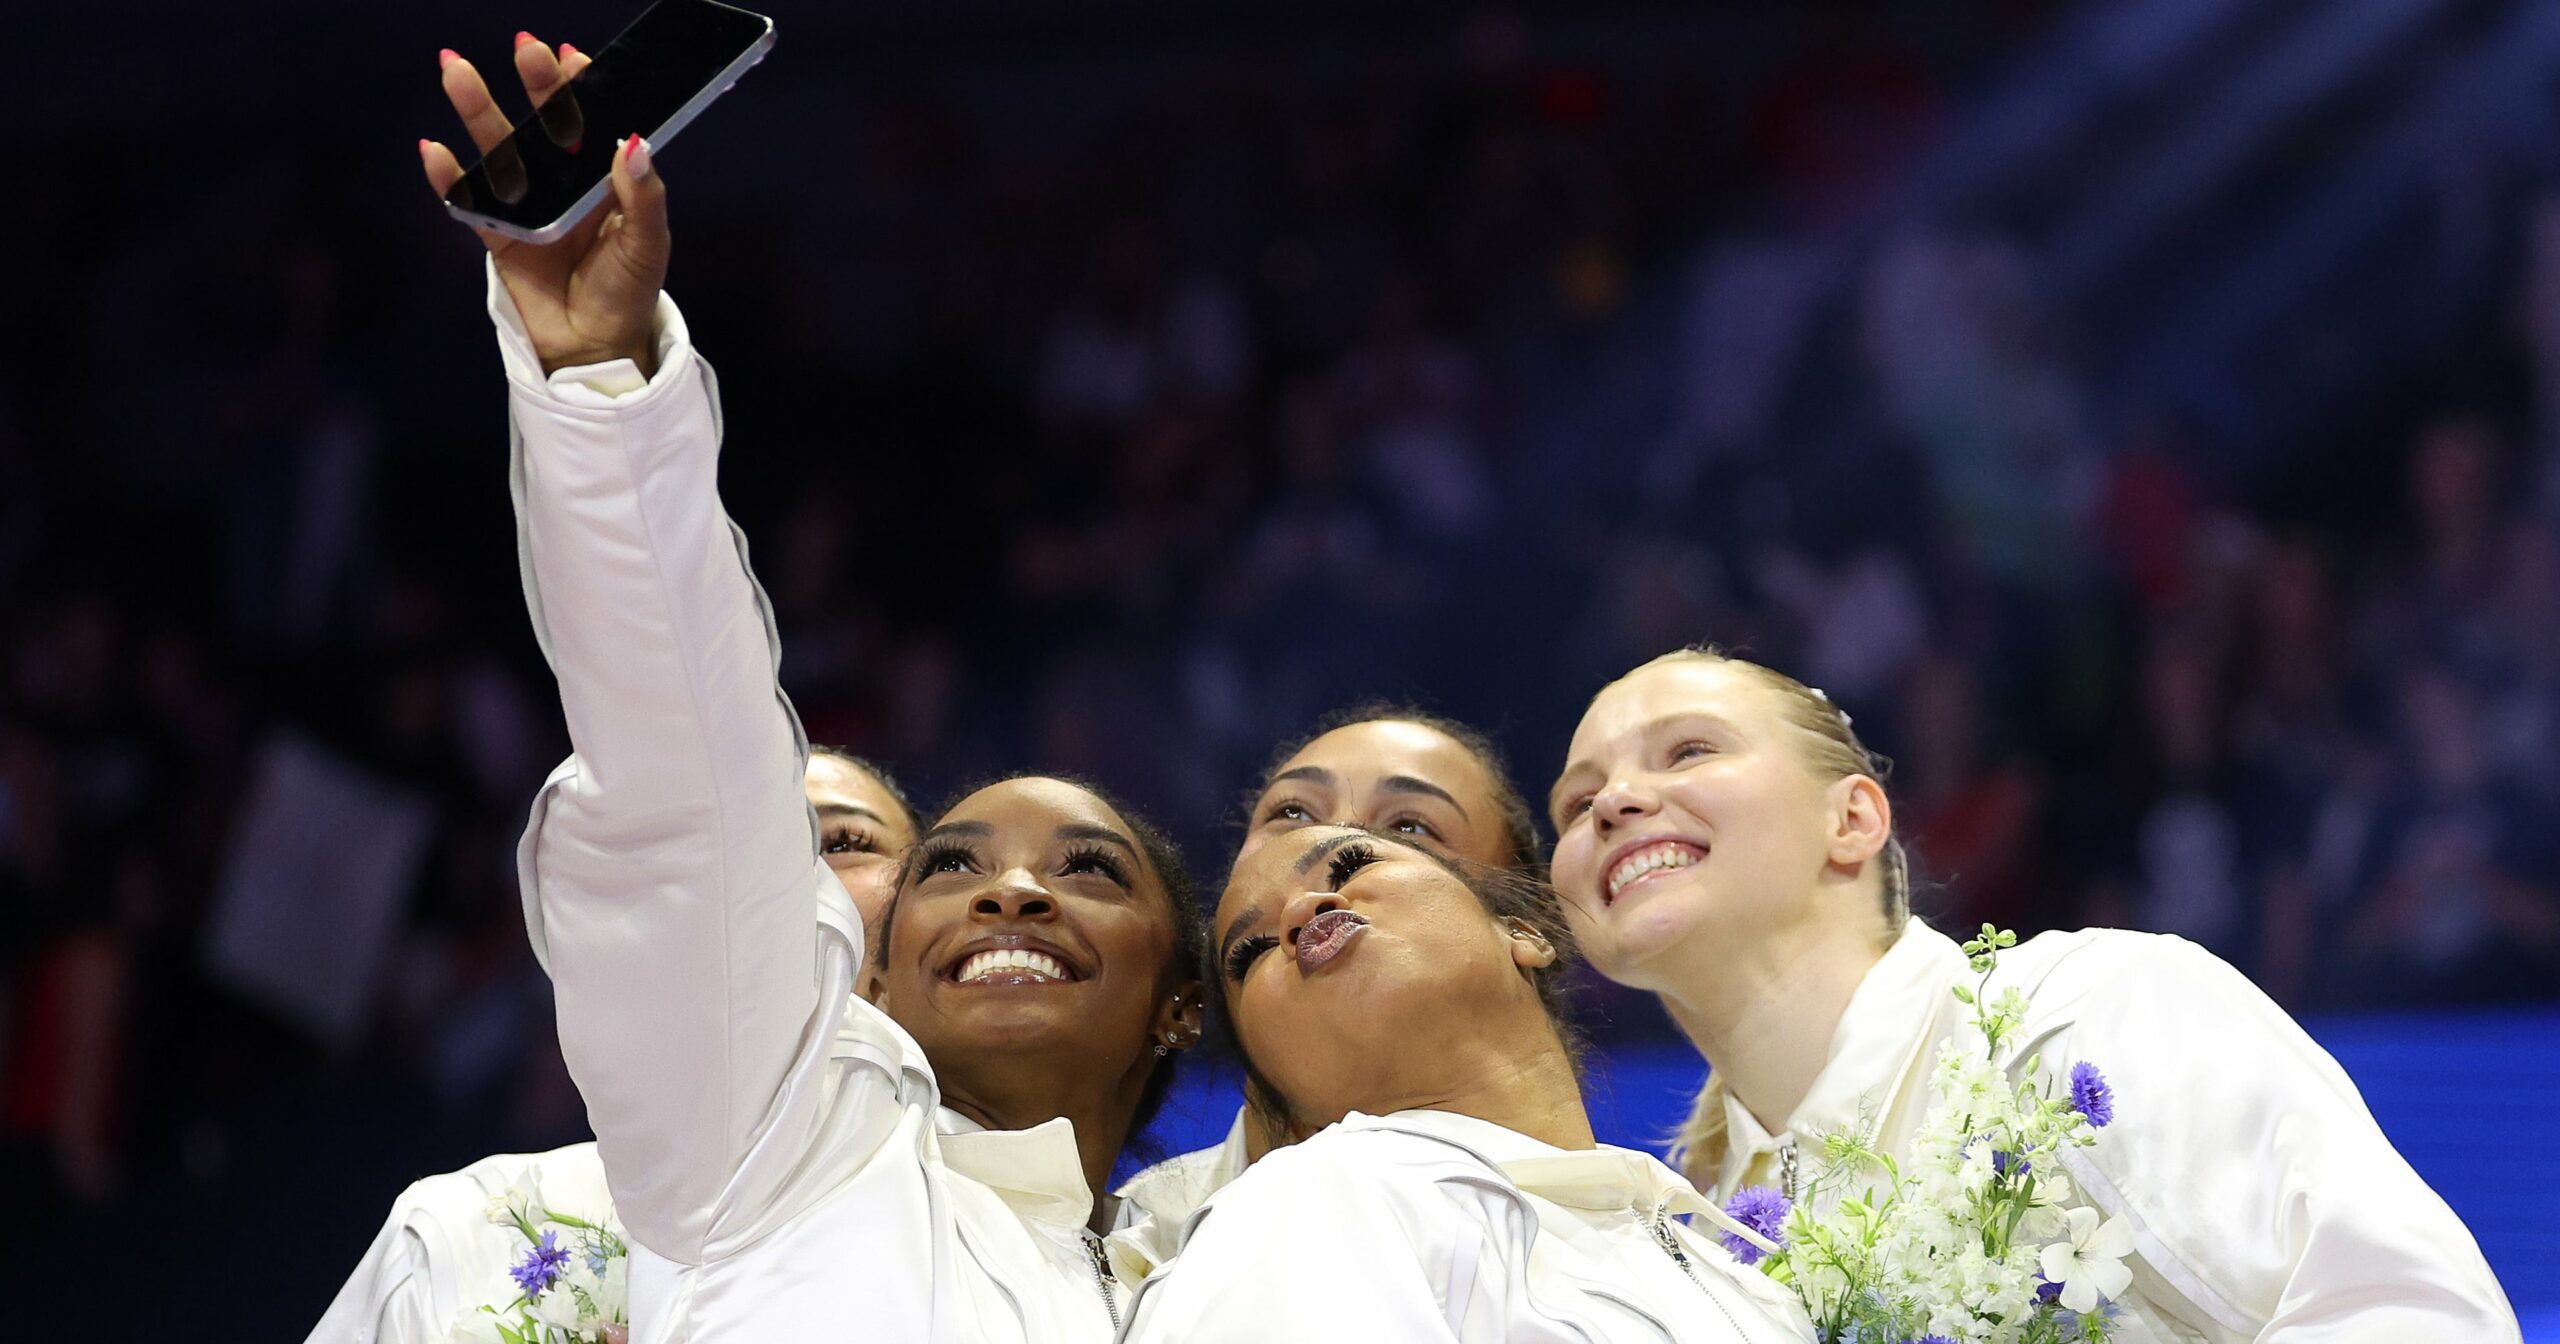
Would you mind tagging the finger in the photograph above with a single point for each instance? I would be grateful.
(642, 195)
(471, 101)
(538, 68)
(443, 170)
(573, 60)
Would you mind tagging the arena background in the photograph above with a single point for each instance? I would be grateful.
(2142, 416)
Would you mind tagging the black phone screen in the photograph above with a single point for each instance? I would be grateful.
(671, 60)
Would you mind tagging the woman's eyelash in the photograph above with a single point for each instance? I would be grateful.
(1285, 805)
(935, 854)
(1240, 957)
(847, 842)
(1347, 860)
(1098, 859)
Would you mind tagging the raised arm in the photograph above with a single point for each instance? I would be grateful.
(671, 877)
(2258, 1184)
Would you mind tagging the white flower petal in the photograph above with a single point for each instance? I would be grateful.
(2083, 1222)
(2114, 1241)
(2110, 1278)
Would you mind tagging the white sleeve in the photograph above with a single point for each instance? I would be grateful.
(2258, 1184)
(672, 883)
(1297, 1250)
(388, 1300)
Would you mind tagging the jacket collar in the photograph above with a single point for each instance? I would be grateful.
(1156, 1205)
(1598, 1179)
(1883, 1034)
(1037, 1172)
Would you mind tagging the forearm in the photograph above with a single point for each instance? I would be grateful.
(670, 865)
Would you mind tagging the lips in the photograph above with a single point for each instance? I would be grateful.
(1647, 859)
(1325, 937)
(1011, 959)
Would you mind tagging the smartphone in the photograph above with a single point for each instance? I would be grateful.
(555, 166)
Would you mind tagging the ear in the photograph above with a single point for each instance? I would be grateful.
(871, 984)
(1530, 949)
(1861, 821)
(1177, 1021)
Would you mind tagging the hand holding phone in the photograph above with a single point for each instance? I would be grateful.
(591, 295)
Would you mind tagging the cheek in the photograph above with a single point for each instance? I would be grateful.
(1574, 858)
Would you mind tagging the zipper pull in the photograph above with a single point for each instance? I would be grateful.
(1102, 1278)
(1787, 1168)
(1663, 1237)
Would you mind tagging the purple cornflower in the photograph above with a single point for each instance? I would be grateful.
(541, 1265)
(2091, 1096)
(2073, 1324)
(2047, 1290)
(1933, 1339)
(2010, 1164)
(1764, 1211)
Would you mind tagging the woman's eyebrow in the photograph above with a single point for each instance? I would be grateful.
(852, 810)
(1099, 834)
(1409, 784)
(1316, 774)
(974, 829)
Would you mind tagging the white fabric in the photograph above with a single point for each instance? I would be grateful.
(771, 1140)
(1424, 1225)
(438, 1255)
(2267, 1204)
(1157, 1203)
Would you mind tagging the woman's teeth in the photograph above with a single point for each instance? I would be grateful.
(1648, 861)
(984, 964)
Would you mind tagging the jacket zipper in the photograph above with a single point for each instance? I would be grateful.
(1670, 1244)
(1787, 1169)
(1102, 1278)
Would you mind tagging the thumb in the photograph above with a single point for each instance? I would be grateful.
(642, 195)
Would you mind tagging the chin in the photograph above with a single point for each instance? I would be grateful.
(1632, 935)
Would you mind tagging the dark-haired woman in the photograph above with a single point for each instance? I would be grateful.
(791, 1162)
(1392, 768)
(1724, 842)
(1405, 1010)
(439, 1254)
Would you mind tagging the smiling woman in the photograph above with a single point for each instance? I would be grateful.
(1726, 842)
(1040, 949)
(1411, 1007)
(767, 1129)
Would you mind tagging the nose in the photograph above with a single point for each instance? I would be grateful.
(1016, 895)
(1305, 906)
(1623, 801)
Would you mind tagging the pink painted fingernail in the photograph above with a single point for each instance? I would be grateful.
(635, 157)
(446, 57)
(422, 149)
(567, 51)
(523, 37)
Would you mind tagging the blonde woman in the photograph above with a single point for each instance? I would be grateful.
(1724, 842)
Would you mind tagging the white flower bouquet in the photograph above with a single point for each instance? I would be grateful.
(1968, 1239)
(572, 1281)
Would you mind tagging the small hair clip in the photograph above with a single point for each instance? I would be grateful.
(1825, 697)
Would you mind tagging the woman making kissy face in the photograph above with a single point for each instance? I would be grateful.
(1723, 842)
(1391, 768)
(1407, 1010)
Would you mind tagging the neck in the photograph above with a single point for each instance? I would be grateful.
(1765, 1020)
(1018, 1092)
(1531, 1091)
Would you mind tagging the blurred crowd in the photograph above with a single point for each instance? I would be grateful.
(1123, 421)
